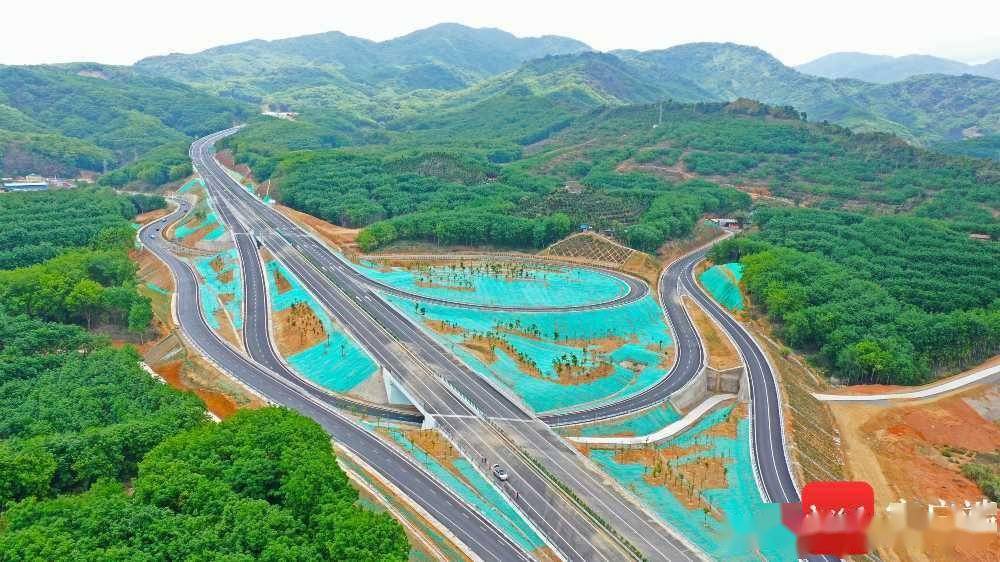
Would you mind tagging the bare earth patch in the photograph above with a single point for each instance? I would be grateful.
(344, 238)
(667, 357)
(226, 329)
(152, 270)
(444, 328)
(915, 451)
(685, 481)
(151, 216)
(432, 443)
(721, 352)
(729, 426)
(297, 328)
(281, 283)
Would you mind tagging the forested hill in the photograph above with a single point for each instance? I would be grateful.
(498, 176)
(451, 65)
(57, 120)
(922, 108)
(333, 65)
(885, 300)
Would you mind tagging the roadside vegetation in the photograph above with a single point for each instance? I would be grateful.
(99, 459)
(986, 476)
(455, 179)
(38, 226)
(888, 300)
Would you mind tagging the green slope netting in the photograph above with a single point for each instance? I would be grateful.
(209, 219)
(744, 513)
(473, 488)
(643, 424)
(218, 294)
(336, 363)
(502, 283)
(723, 283)
(635, 363)
(191, 184)
(157, 288)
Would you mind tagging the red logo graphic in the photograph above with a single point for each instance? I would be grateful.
(832, 518)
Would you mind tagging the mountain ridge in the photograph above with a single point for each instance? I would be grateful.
(466, 54)
(881, 69)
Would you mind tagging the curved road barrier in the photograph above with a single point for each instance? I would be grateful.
(663, 433)
(927, 392)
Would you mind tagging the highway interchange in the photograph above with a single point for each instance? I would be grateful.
(485, 422)
(282, 387)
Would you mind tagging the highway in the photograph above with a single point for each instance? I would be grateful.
(483, 421)
(767, 434)
(280, 387)
(769, 456)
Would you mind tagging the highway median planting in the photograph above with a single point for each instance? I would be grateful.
(720, 351)
(297, 328)
(221, 289)
(312, 343)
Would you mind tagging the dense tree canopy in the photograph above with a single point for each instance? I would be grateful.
(918, 261)
(88, 287)
(877, 300)
(73, 409)
(159, 166)
(100, 461)
(38, 225)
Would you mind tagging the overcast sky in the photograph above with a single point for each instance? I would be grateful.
(45, 31)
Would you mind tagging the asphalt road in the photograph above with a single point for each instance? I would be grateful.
(688, 363)
(484, 422)
(484, 539)
(767, 444)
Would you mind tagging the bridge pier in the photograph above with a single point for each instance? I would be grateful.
(396, 394)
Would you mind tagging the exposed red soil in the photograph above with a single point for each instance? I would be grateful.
(722, 353)
(342, 237)
(216, 402)
(225, 157)
(152, 269)
(281, 283)
(297, 329)
(444, 328)
(151, 216)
